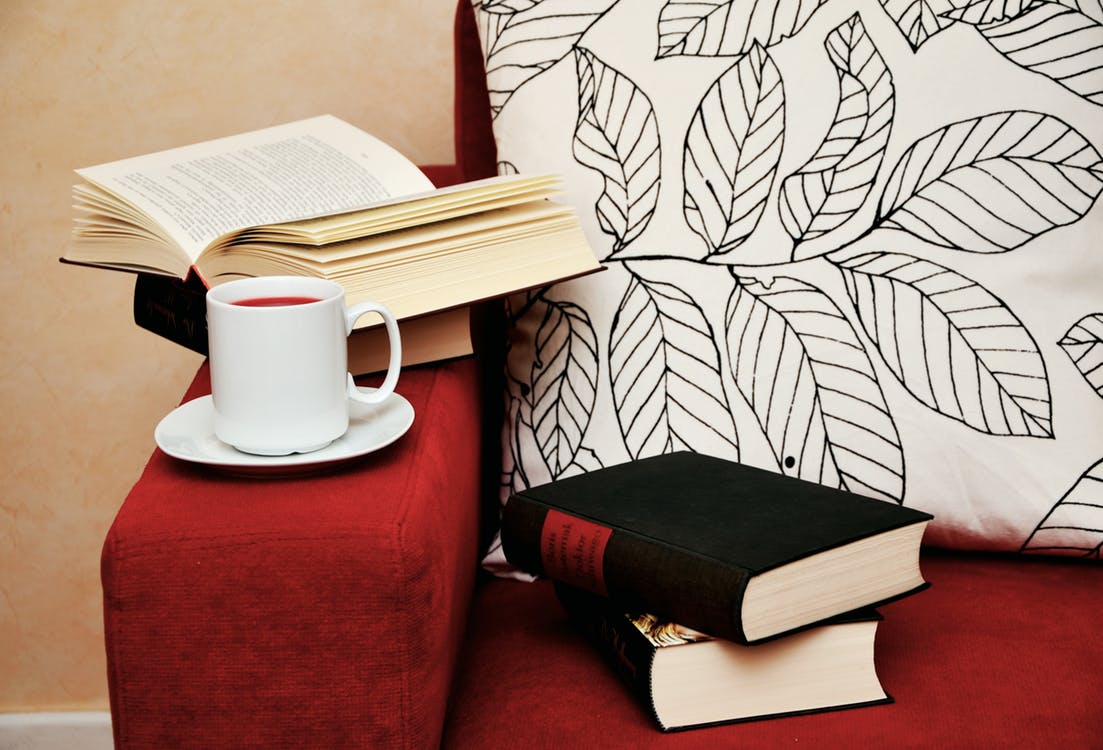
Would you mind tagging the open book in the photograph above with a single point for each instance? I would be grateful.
(320, 197)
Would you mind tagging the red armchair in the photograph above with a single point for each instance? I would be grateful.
(346, 609)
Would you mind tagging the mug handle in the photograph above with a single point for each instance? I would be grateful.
(395, 363)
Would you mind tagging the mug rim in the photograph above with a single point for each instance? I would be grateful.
(227, 294)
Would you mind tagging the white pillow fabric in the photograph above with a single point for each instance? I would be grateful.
(854, 242)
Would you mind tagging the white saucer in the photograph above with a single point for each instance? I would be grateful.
(187, 433)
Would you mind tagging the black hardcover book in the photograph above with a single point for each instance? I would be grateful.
(177, 310)
(727, 549)
(686, 679)
(173, 308)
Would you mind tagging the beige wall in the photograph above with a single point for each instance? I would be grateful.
(89, 81)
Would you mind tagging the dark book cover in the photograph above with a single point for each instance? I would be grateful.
(174, 309)
(682, 534)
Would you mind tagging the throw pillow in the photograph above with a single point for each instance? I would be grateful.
(851, 241)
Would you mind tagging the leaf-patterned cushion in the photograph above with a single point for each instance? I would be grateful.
(851, 241)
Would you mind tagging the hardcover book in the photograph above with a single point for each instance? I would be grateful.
(731, 550)
(177, 310)
(320, 197)
(687, 679)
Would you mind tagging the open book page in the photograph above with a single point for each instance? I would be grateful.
(197, 193)
(465, 239)
(661, 632)
(460, 232)
(438, 205)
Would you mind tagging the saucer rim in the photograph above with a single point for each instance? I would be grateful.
(337, 452)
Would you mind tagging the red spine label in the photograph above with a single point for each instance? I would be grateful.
(573, 551)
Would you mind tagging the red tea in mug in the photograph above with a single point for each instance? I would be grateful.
(275, 301)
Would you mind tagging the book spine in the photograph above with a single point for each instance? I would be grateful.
(637, 573)
(619, 642)
(173, 309)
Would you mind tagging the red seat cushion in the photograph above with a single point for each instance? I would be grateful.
(997, 653)
(317, 612)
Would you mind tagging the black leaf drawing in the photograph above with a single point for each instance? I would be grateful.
(717, 28)
(976, 12)
(992, 183)
(520, 44)
(954, 345)
(1084, 345)
(507, 167)
(918, 20)
(522, 466)
(508, 6)
(585, 459)
(1093, 9)
(519, 471)
(732, 150)
(524, 311)
(835, 182)
(665, 369)
(1074, 526)
(804, 372)
(617, 135)
(563, 382)
(1059, 40)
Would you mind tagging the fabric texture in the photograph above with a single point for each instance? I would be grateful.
(852, 242)
(322, 611)
(997, 653)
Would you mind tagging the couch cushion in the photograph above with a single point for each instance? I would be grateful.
(323, 611)
(831, 253)
(998, 652)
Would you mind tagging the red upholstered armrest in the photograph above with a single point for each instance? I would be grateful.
(321, 611)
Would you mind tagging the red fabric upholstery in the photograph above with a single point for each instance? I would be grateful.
(442, 175)
(315, 612)
(476, 152)
(999, 652)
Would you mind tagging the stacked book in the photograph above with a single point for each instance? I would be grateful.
(321, 197)
(721, 592)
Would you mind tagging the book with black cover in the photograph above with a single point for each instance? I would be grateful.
(177, 310)
(731, 550)
(173, 308)
(686, 679)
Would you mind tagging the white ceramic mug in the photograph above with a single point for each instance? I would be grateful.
(279, 362)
